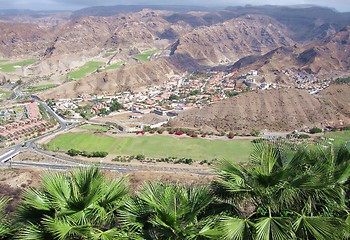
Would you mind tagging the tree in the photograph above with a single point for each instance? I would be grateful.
(81, 204)
(103, 112)
(169, 211)
(115, 106)
(288, 194)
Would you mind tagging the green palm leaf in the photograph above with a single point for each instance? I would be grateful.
(319, 227)
(66, 229)
(274, 228)
(236, 228)
(33, 232)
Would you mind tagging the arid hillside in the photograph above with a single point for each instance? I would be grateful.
(234, 39)
(275, 110)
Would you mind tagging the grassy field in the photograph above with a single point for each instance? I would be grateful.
(339, 137)
(155, 146)
(87, 68)
(3, 60)
(40, 88)
(114, 66)
(5, 94)
(97, 128)
(145, 56)
(11, 67)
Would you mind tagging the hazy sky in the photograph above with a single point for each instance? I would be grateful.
(340, 5)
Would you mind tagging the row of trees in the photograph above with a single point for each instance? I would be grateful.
(281, 193)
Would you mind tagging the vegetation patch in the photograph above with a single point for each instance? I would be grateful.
(114, 66)
(339, 137)
(40, 87)
(96, 128)
(5, 94)
(87, 68)
(145, 56)
(11, 67)
(155, 146)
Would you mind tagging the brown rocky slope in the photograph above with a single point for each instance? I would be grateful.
(274, 110)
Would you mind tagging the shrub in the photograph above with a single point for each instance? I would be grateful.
(315, 130)
(347, 128)
(99, 154)
(303, 136)
(231, 135)
(255, 133)
(73, 152)
(140, 157)
(160, 131)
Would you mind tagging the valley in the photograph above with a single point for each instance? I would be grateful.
(242, 72)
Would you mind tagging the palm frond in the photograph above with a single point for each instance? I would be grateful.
(318, 227)
(236, 228)
(65, 229)
(274, 228)
(33, 232)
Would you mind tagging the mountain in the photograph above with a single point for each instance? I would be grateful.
(268, 38)
(22, 39)
(275, 110)
(113, 10)
(321, 58)
(305, 22)
(234, 39)
(200, 49)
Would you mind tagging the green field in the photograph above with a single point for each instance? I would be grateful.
(40, 87)
(97, 128)
(87, 68)
(339, 137)
(155, 146)
(145, 56)
(3, 60)
(114, 66)
(5, 94)
(10, 67)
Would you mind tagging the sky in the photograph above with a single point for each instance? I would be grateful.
(340, 5)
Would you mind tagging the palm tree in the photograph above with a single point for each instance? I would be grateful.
(5, 229)
(288, 194)
(169, 211)
(79, 205)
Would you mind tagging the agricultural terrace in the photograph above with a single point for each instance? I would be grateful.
(11, 67)
(145, 56)
(114, 66)
(87, 68)
(40, 87)
(155, 146)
